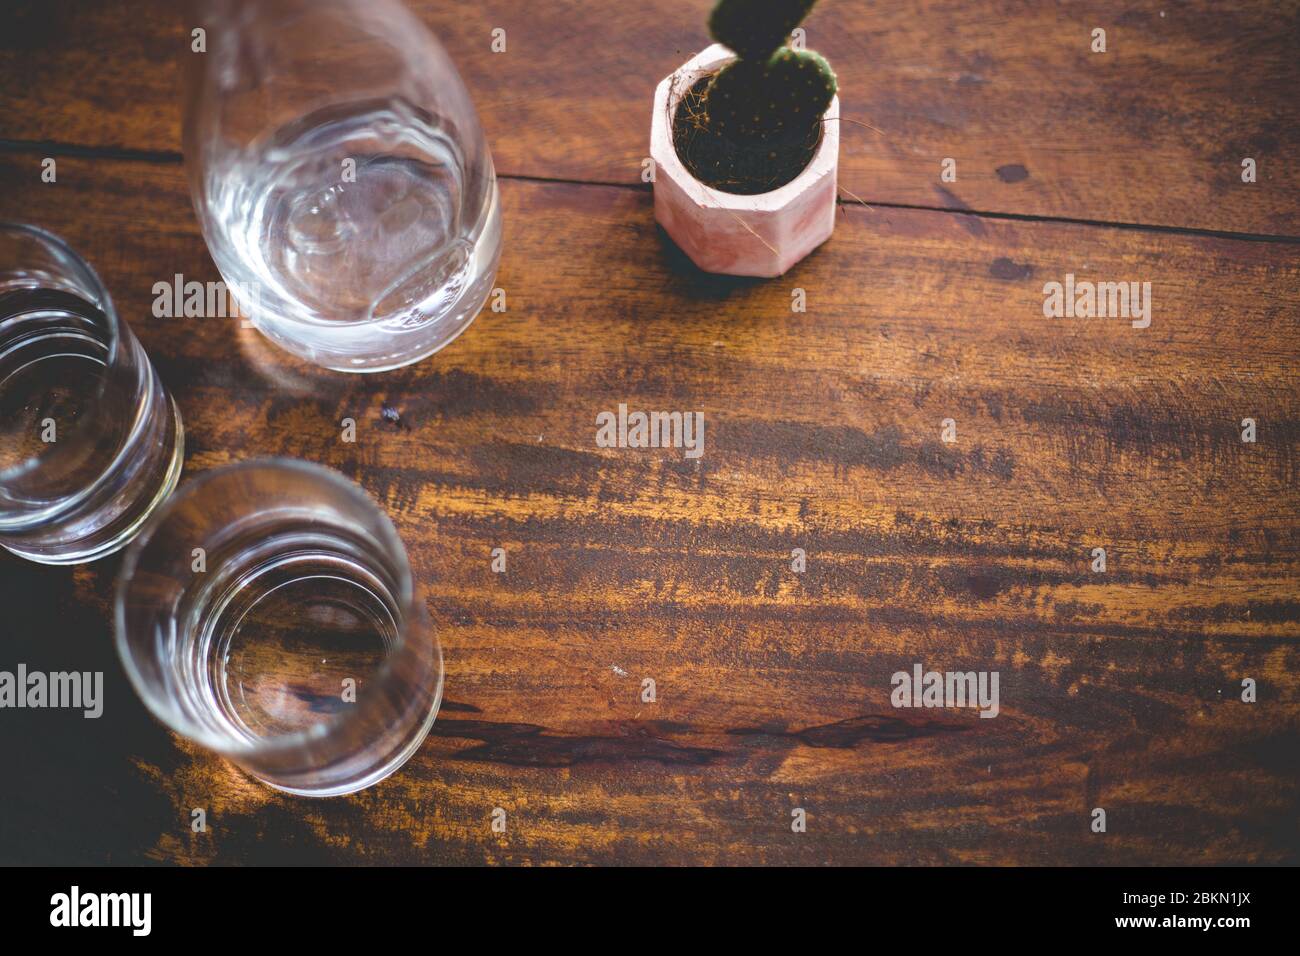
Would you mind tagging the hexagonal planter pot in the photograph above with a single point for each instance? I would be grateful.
(759, 235)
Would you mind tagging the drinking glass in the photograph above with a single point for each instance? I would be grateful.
(90, 441)
(341, 178)
(268, 612)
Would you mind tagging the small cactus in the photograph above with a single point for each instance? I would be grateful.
(764, 108)
(781, 98)
(755, 28)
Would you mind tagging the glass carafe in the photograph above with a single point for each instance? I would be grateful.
(340, 176)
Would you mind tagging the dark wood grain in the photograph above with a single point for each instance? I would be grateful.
(1118, 690)
(1152, 131)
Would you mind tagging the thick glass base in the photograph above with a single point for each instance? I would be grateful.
(383, 767)
(440, 302)
(126, 527)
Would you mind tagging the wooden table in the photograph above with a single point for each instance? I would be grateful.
(1118, 690)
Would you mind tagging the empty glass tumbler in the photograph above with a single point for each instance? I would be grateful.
(90, 441)
(341, 178)
(268, 612)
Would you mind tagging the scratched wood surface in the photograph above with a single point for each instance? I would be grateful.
(1152, 131)
(1118, 690)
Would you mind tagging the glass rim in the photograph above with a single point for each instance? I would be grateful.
(165, 710)
(105, 304)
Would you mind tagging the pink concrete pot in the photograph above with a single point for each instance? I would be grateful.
(762, 235)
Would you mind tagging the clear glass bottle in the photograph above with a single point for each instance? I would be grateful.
(341, 177)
